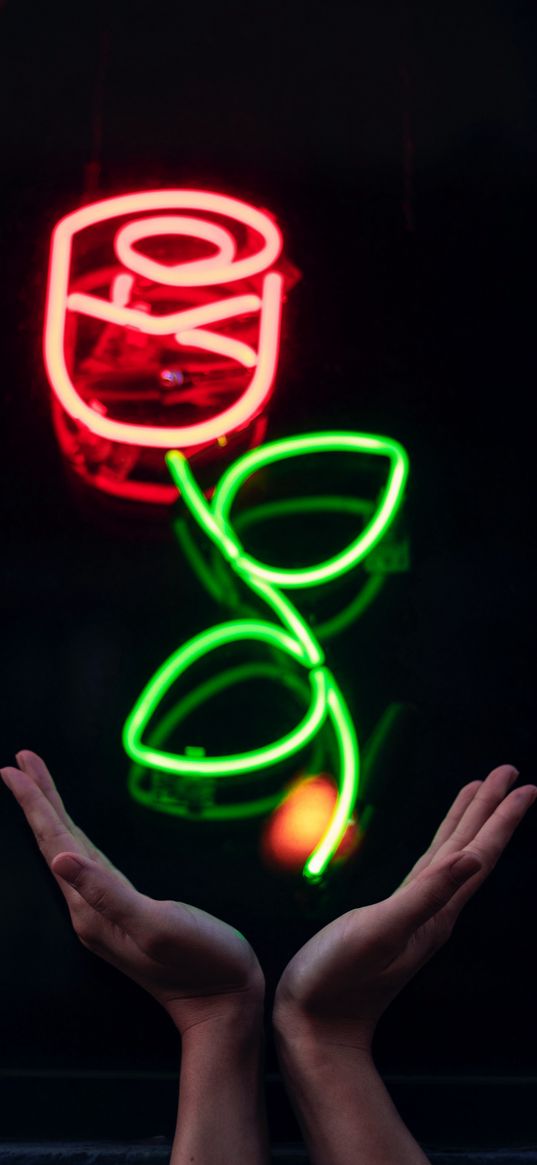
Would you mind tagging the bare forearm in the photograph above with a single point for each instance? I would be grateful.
(221, 1115)
(346, 1115)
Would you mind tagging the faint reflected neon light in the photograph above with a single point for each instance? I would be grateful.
(186, 326)
(217, 579)
(297, 641)
(322, 504)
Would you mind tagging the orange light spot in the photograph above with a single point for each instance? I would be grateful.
(298, 823)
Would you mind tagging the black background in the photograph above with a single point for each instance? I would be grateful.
(396, 146)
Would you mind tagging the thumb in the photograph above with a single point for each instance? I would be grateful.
(431, 890)
(100, 887)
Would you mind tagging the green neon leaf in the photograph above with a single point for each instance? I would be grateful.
(375, 528)
(171, 793)
(237, 763)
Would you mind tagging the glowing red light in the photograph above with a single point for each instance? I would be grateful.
(296, 826)
(162, 329)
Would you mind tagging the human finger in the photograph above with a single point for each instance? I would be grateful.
(491, 840)
(35, 767)
(427, 894)
(107, 895)
(50, 833)
(480, 808)
(446, 828)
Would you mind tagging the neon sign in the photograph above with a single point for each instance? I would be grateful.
(151, 343)
(291, 635)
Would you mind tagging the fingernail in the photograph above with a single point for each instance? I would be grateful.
(465, 866)
(70, 868)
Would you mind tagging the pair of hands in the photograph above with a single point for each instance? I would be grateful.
(200, 969)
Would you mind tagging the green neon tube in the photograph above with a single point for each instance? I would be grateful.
(234, 764)
(198, 505)
(221, 589)
(349, 761)
(153, 799)
(237, 474)
(312, 652)
(320, 504)
(295, 638)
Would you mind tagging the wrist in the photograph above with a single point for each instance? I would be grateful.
(312, 1040)
(221, 1114)
(341, 1103)
(315, 1065)
(235, 1016)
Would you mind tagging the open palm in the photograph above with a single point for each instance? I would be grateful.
(195, 965)
(342, 980)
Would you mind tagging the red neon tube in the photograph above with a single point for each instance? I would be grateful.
(162, 321)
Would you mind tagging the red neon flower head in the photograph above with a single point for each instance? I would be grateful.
(162, 318)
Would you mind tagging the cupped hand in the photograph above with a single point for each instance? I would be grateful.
(196, 966)
(338, 985)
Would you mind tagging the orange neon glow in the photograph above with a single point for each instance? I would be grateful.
(121, 299)
(297, 825)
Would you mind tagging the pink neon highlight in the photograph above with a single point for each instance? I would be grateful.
(165, 325)
(198, 272)
(234, 208)
(180, 437)
(121, 289)
(187, 325)
(213, 342)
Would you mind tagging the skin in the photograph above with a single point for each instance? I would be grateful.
(333, 992)
(347, 974)
(202, 971)
(329, 998)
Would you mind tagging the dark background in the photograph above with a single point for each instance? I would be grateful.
(396, 146)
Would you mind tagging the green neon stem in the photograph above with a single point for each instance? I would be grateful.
(296, 641)
(218, 584)
(198, 505)
(350, 771)
(312, 652)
